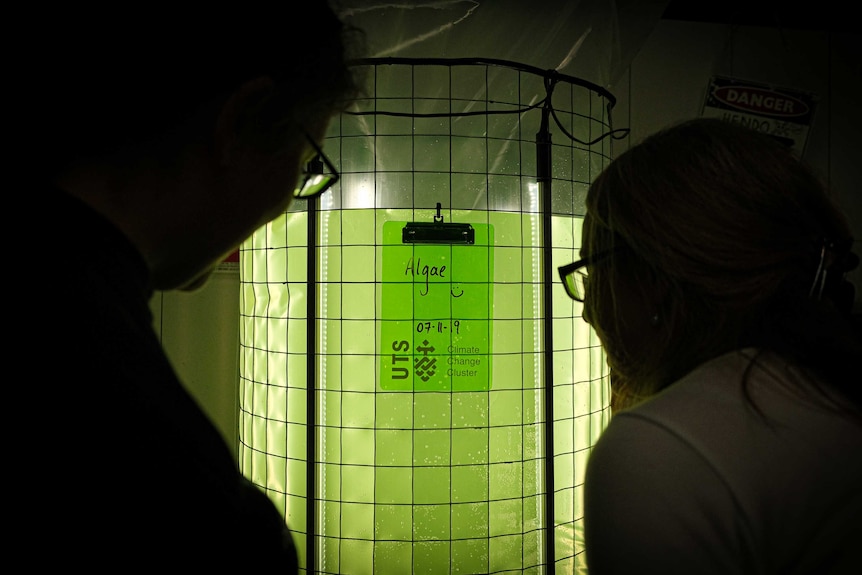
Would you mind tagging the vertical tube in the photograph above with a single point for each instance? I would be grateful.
(311, 389)
(543, 179)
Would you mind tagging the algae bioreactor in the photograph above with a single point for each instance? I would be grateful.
(416, 389)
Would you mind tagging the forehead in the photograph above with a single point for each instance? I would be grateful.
(592, 231)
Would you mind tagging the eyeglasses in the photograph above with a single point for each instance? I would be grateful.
(318, 176)
(575, 276)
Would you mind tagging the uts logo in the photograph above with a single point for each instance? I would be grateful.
(425, 366)
(761, 101)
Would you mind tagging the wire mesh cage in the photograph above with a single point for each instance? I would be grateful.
(417, 392)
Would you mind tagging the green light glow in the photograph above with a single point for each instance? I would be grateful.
(436, 307)
(425, 479)
(445, 475)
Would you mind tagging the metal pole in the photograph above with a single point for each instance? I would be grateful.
(311, 390)
(543, 179)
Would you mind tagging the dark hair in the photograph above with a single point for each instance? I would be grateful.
(114, 77)
(733, 227)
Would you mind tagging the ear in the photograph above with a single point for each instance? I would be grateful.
(230, 127)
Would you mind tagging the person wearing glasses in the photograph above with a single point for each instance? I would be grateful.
(713, 271)
(161, 141)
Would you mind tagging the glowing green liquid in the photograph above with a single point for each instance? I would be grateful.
(421, 481)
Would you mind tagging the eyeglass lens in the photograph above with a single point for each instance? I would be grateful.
(318, 176)
(314, 184)
(575, 284)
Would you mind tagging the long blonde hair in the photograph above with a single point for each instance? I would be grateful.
(732, 226)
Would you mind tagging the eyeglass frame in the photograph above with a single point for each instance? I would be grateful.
(575, 268)
(309, 172)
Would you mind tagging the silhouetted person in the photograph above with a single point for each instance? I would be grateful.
(717, 287)
(158, 141)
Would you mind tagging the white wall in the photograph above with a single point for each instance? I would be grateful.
(200, 333)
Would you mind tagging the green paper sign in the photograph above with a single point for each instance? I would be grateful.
(436, 300)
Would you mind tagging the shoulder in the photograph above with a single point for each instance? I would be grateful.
(743, 413)
(700, 471)
(652, 498)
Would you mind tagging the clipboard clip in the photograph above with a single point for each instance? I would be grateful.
(438, 232)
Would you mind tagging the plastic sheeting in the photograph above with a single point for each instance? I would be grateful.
(595, 40)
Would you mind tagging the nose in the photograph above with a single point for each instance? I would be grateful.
(586, 313)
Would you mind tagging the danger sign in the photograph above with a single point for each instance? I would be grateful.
(784, 114)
